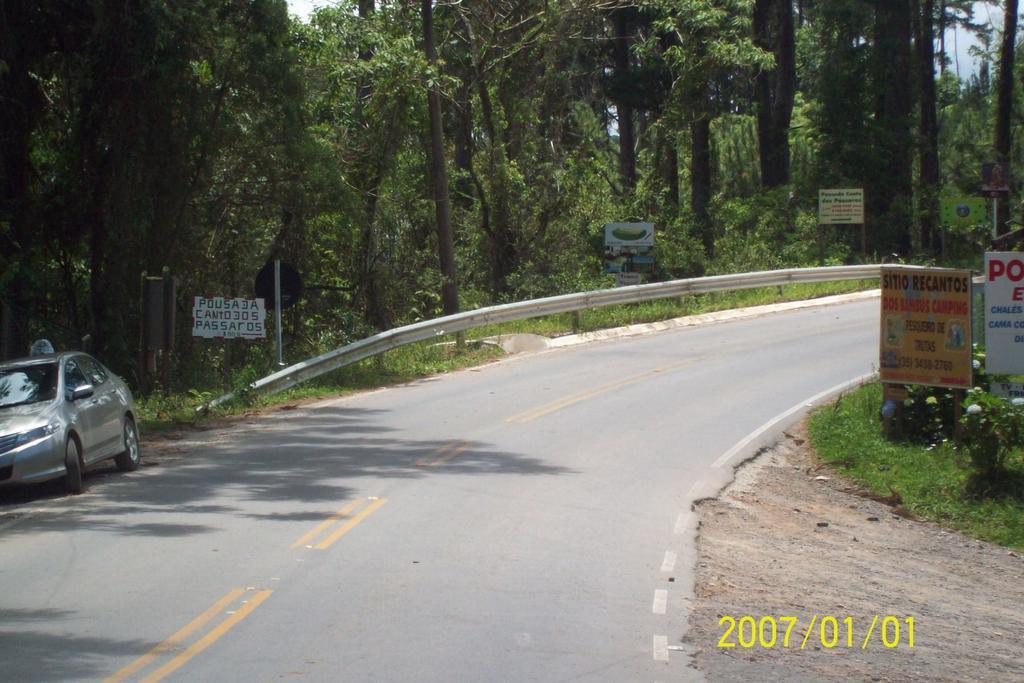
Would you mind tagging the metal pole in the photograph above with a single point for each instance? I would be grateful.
(277, 310)
(995, 217)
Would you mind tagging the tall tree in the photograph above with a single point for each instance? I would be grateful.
(1004, 92)
(775, 88)
(439, 174)
(623, 19)
(928, 124)
(711, 49)
(889, 186)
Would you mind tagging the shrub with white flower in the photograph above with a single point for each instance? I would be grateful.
(993, 430)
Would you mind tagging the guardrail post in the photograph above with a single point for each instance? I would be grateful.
(576, 323)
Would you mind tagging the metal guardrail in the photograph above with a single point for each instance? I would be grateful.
(429, 329)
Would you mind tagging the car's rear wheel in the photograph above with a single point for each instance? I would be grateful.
(128, 459)
(73, 465)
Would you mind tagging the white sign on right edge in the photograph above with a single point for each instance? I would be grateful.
(1009, 390)
(1004, 312)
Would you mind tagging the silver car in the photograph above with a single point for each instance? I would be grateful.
(60, 413)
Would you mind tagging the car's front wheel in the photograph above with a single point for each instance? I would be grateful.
(73, 465)
(128, 460)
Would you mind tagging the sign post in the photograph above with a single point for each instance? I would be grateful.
(277, 310)
(995, 183)
(844, 207)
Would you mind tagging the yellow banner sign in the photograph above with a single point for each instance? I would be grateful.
(926, 327)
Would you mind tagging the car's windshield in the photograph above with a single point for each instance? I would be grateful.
(28, 384)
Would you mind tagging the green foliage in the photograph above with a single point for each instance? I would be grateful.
(928, 415)
(931, 483)
(993, 432)
(212, 136)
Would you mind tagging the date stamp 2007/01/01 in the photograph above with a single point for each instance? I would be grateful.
(767, 632)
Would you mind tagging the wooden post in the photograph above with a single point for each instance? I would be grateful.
(958, 411)
(897, 393)
(143, 360)
(169, 301)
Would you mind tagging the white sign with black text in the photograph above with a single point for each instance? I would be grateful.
(229, 318)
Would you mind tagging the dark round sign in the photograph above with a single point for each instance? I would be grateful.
(291, 285)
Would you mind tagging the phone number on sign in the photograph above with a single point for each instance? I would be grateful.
(829, 631)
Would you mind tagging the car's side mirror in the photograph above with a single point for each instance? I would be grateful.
(84, 391)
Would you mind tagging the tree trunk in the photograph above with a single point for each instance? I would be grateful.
(19, 114)
(369, 182)
(942, 38)
(700, 182)
(1004, 106)
(364, 90)
(1004, 95)
(775, 89)
(928, 125)
(439, 176)
(667, 160)
(463, 138)
(627, 140)
(890, 187)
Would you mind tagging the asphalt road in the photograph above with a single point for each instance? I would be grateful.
(524, 521)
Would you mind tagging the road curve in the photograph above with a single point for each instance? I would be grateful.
(524, 521)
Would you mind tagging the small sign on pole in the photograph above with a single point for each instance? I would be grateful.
(995, 183)
(1008, 390)
(841, 207)
(995, 180)
(844, 207)
(219, 317)
(628, 251)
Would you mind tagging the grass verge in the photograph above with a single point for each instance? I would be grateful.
(159, 411)
(666, 309)
(928, 482)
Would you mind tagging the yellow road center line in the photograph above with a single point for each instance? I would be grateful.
(209, 639)
(309, 535)
(443, 454)
(573, 399)
(350, 524)
(461, 448)
(175, 639)
(429, 460)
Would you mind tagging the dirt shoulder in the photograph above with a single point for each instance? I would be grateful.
(764, 549)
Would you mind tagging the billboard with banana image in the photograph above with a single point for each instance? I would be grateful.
(628, 247)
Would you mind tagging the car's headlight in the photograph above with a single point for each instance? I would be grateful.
(37, 433)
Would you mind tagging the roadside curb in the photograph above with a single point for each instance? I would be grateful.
(723, 470)
(518, 343)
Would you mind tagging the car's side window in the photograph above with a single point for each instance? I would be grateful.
(73, 376)
(93, 371)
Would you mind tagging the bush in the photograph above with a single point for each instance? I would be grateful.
(993, 430)
(928, 415)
